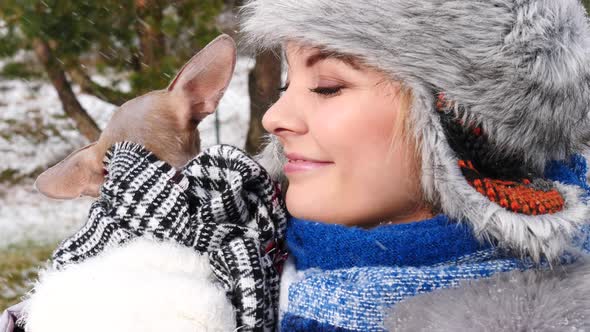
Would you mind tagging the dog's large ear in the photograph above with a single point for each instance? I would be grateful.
(81, 173)
(204, 78)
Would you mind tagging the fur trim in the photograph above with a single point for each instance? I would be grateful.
(272, 158)
(143, 286)
(532, 300)
(521, 69)
(535, 236)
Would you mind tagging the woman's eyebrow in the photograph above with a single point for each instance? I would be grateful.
(323, 55)
(316, 57)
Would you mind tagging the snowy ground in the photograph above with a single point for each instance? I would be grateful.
(35, 134)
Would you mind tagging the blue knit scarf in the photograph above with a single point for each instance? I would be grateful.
(350, 275)
(330, 246)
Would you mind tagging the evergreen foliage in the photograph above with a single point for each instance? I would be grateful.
(110, 35)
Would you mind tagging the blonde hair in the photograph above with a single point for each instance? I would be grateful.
(404, 133)
(403, 129)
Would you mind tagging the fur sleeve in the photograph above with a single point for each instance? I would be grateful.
(532, 300)
(145, 285)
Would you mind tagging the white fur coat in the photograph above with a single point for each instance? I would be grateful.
(145, 286)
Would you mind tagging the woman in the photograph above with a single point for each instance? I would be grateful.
(431, 151)
(401, 110)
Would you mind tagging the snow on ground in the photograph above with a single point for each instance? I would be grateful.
(35, 134)
(25, 215)
(234, 110)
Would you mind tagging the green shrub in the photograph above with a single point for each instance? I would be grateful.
(19, 70)
(18, 269)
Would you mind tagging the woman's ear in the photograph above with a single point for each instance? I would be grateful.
(81, 173)
(200, 84)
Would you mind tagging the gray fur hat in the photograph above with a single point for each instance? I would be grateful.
(517, 69)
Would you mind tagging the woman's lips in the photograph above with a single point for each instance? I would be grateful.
(297, 163)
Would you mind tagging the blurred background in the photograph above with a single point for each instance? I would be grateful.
(65, 66)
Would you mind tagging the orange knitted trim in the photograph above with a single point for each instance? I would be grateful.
(518, 196)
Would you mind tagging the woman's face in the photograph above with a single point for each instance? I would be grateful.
(337, 123)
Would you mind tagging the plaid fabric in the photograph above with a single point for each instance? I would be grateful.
(222, 203)
(239, 213)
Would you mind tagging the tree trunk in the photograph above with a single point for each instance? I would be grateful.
(264, 81)
(71, 106)
(149, 30)
(87, 85)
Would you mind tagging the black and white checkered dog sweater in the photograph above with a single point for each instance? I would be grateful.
(221, 203)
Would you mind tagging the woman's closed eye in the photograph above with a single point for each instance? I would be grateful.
(327, 91)
(324, 91)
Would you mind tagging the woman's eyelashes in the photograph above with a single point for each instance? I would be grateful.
(284, 88)
(324, 91)
(327, 91)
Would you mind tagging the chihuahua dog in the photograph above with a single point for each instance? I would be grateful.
(146, 284)
(164, 121)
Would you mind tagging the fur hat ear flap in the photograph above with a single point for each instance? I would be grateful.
(503, 200)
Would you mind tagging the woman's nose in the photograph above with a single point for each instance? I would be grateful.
(285, 117)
